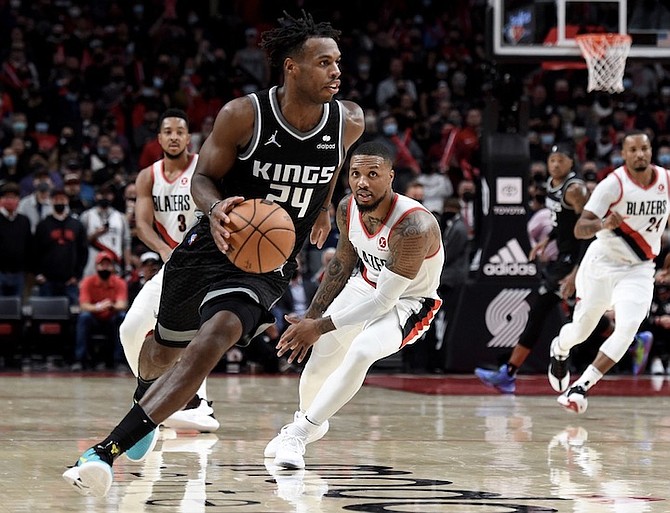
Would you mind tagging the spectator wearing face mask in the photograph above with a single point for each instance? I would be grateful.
(663, 156)
(114, 165)
(9, 169)
(60, 251)
(103, 301)
(15, 240)
(407, 154)
(72, 187)
(590, 174)
(39, 171)
(37, 205)
(615, 161)
(394, 85)
(359, 85)
(106, 228)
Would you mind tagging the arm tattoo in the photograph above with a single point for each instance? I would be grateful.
(411, 241)
(339, 269)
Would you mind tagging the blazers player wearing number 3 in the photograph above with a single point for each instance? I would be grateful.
(286, 144)
(164, 212)
(627, 212)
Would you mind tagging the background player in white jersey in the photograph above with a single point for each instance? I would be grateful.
(354, 321)
(164, 212)
(627, 212)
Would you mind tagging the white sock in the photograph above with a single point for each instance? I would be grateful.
(302, 428)
(590, 377)
(202, 391)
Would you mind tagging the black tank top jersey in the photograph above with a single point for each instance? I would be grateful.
(287, 166)
(563, 216)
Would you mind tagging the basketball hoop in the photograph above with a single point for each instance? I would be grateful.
(605, 56)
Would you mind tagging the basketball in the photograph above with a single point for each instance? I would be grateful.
(262, 236)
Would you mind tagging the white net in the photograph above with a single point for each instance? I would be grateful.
(605, 56)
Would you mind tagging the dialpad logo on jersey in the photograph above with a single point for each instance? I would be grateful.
(510, 260)
(325, 145)
(506, 317)
(381, 243)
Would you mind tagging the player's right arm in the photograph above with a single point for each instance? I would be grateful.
(144, 215)
(339, 268)
(596, 215)
(232, 130)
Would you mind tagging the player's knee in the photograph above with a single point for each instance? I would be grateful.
(362, 356)
(619, 341)
(220, 332)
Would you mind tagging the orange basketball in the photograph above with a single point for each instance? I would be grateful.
(262, 236)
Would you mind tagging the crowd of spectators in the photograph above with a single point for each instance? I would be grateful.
(82, 85)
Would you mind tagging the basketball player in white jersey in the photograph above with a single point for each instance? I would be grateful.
(164, 212)
(627, 212)
(356, 320)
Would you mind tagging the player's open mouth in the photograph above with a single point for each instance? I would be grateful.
(334, 87)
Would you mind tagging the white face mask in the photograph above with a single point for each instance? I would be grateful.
(390, 129)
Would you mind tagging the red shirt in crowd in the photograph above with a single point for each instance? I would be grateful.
(93, 289)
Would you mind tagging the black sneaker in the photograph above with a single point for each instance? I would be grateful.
(559, 374)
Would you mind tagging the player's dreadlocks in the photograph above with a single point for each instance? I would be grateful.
(290, 36)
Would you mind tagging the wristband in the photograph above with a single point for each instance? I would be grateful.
(212, 207)
(323, 209)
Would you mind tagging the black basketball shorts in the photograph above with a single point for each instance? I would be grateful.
(198, 273)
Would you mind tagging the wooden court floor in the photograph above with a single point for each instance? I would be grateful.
(447, 445)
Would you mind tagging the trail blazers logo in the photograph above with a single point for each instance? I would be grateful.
(510, 260)
(506, 317)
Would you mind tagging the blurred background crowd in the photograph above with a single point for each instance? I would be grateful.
(83, 83)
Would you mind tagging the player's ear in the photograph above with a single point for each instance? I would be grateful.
(289, 65)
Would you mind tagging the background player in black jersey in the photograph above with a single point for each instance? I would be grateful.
(285, 144)
(566, 197)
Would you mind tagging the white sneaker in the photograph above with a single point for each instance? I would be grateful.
(201, 418)
(271, 448)
(656, 368)
(574, 399)
(290, 451)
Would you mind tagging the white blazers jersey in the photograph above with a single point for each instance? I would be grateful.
(373, 248)
(644, 211)
(174, 208)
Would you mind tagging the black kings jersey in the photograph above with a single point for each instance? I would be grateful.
(285, 165)
(563, 216)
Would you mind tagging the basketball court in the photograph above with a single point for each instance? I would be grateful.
(403, 444)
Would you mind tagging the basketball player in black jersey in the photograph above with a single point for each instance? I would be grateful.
(566, 197)
(286, 144)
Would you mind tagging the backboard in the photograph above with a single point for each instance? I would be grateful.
(546, 29)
